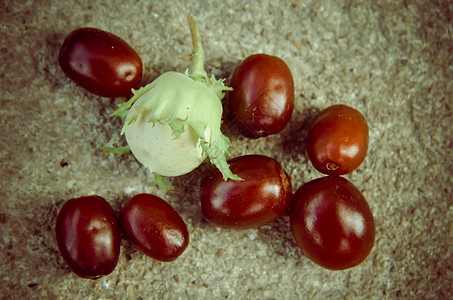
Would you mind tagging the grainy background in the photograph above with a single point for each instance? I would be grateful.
(392, 60)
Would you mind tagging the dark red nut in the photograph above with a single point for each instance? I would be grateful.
(332, 223)
(262, 99)
(263, 195)
(154, 227)
(88, 236)
(100, 62)
(337, 141)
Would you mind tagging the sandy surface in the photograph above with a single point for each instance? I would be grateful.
(393, 62)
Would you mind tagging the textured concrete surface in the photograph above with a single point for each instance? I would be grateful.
(392, 60)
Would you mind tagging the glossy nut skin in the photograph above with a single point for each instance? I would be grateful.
(337, 141)
(263, 195)
(332, 223)
(88, 236)
(262, 99)
(154, 227)
(100, 62)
